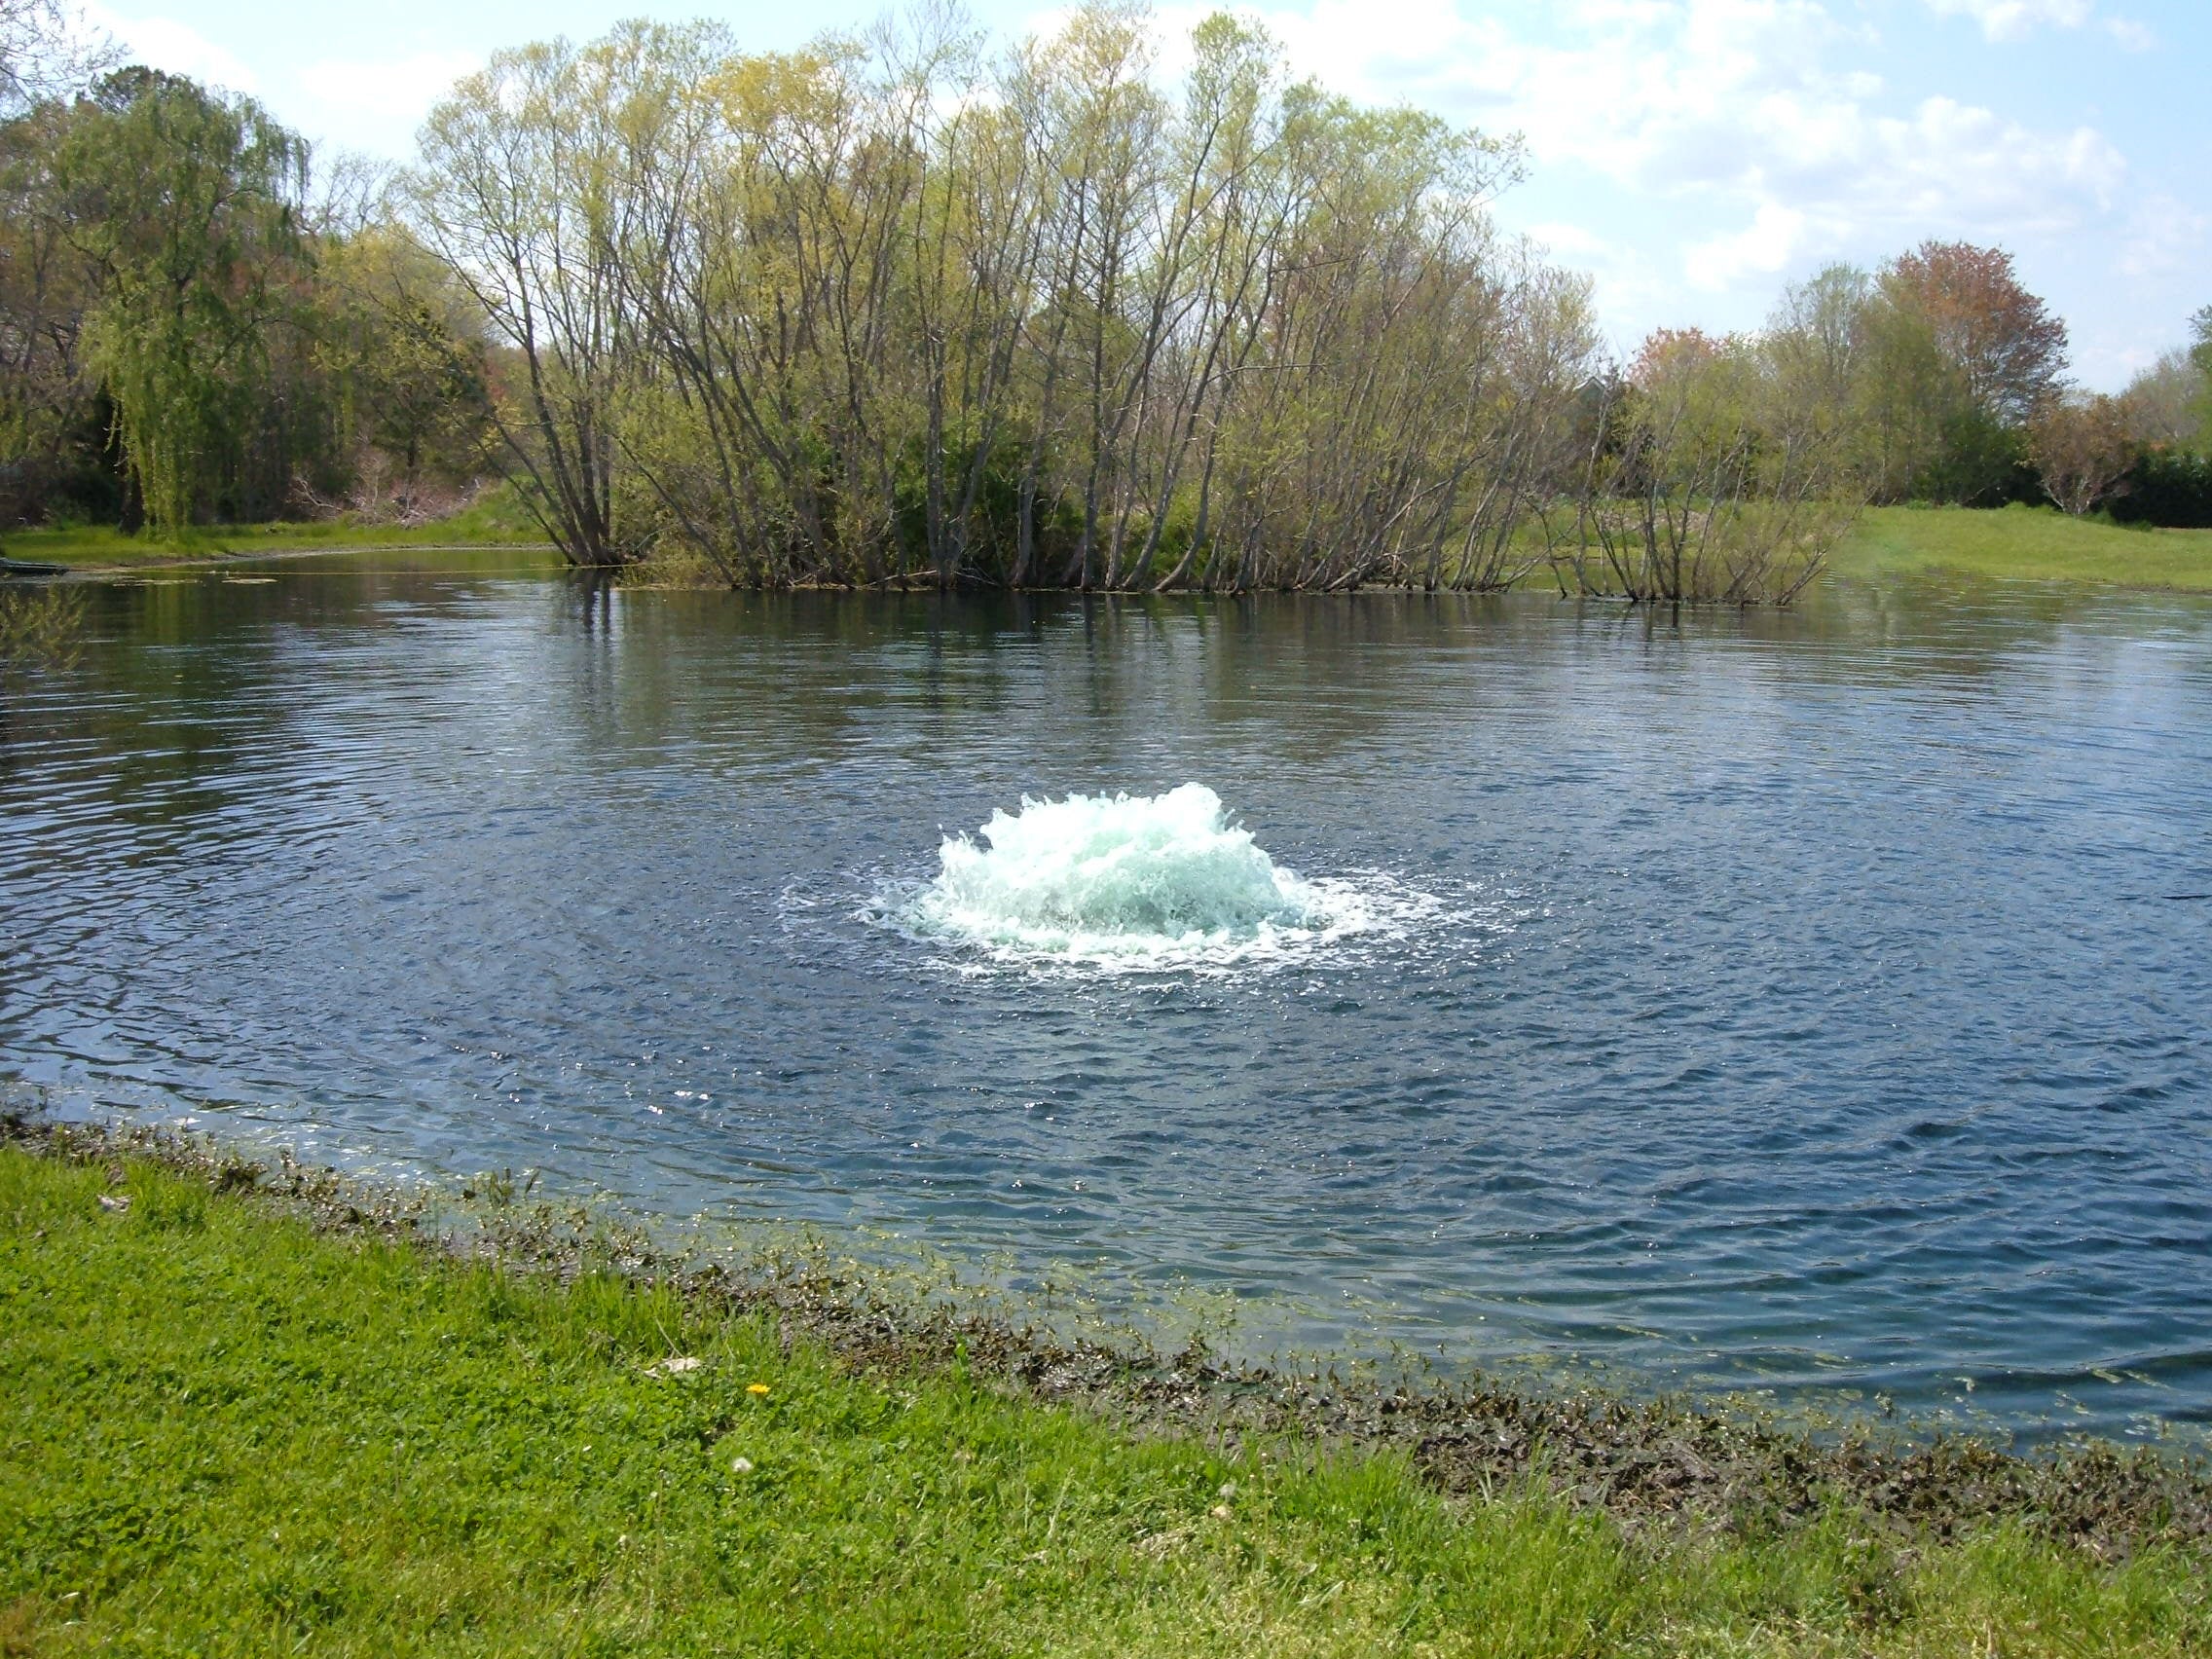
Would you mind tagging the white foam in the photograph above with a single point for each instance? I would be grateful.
(1135, 882)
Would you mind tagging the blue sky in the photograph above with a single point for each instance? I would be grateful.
(1692, 155)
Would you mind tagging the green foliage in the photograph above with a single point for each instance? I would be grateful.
(898, 311)
(403, 341)
(187, 339)
(52, 435)
(2200, 355)
(2167, 405)
(2167, 487)
(1923, 433)
(188, 207)
(521, 192)
(1976, 460)
(224, 1435)
(1720, 476)
(1935, 366)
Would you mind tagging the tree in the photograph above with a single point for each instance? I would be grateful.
(186, 206)
(45, 52)
(2200, 355)
(1819, 331)
(193, 327)
(886, 309)
(2003, 341)
(1955, 358)
(2166, 404)
(404, 343)
(523, 193)
(1717, 473)
(2082, 448)
(51, 436)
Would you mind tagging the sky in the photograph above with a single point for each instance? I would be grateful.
(1693, 156)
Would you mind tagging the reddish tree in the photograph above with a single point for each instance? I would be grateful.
(1666, 350)
(2001, 338)
(2082, 447)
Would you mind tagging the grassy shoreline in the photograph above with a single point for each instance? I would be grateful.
(2012, 543)
(244, 1412)
(2019, 543)
(1887, 544)
(102, 550)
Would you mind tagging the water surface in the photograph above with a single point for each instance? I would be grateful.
(1816, 1003)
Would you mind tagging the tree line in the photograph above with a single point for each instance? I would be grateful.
(191, 332)
(902, 307)
(911, 308)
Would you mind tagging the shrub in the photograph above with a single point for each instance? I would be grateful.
(2169, 488)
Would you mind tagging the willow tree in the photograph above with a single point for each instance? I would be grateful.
(186, 205)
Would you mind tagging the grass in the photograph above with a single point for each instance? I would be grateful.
(497, 520)
(2017, 542)
(2035, 543)
(223, 1433)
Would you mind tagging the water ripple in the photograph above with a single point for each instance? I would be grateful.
(1775, 1002)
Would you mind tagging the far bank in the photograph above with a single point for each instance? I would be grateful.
(2014, 544)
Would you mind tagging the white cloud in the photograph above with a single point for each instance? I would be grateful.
(1572, 241)
(1959, 165)
(1767, 246)
(1693, 154)
(377, 104)
(369, 104)
(1741, 103)
(2163, 236)
(2017, 20)
(163, 43)
(399, 87)
(2013, 19)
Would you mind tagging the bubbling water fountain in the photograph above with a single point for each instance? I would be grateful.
(1124, 882)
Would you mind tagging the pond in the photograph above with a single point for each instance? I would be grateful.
(1815, 1003)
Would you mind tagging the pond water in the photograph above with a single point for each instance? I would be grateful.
(1819, 1004)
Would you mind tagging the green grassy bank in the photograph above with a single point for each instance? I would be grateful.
(222, 1432)
(496, 521)
(2028, 543)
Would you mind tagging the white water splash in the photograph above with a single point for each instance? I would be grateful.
(1142, 882)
